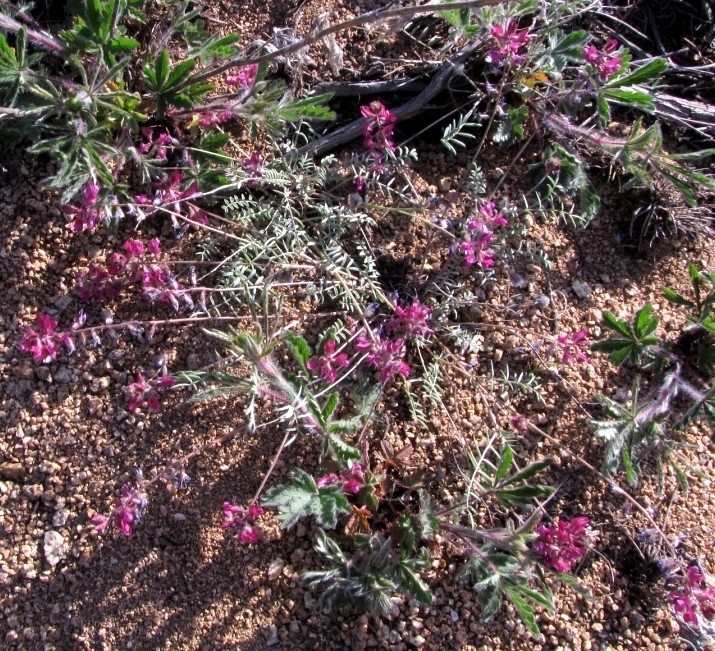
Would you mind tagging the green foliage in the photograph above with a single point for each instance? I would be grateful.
(302, 497)
(635, 341)
(370, 577)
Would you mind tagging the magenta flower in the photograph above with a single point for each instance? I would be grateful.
(476, 249)
(42, 341)
(252, 166)
(487, 214)
(327, 480)
(573, 346)
(606, 65)
(100, 523)
(378, 133)
(156, 143)
(327, 366)
(88, 214)
(384, 355)
(412, 320)
(689, 597)
(128, 509)
(236, 517)
(562, 545)
(353, 479)
(145, 392)
(510, 41)
(245, 78)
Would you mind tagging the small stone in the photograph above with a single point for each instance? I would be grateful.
(300, 530)
(49, 467)
(25, 372)
(418, 641)
(33, 491)
(275, 569)
(63, 375)
(63, 302)
(497, 173)
(193, 362)
(271, 634)
(54, 546)
(179, 517)
(43, 373)
(297, 556)
(59, 519)
(12, 471)
(445, 184)
(581, 289)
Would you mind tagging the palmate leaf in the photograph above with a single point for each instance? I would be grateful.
(302, 497)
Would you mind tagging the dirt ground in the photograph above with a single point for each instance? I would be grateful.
(68, 444)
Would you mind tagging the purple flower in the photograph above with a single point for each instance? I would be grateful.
(562, 545)
(327, 480)
(573, 346)
(486, 213)
(412, 320)
(128, 509)
(327, 365)
(43, 342)
(385, 355)
(476, 249)
(353, 479)
(510, 40)
(252, 167)
(145, 392)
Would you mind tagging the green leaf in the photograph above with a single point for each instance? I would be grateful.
(526, 612)
(506, 461)
(695, 155)
(610, 321)
(547, 601)
(644, 324)
(643, 75)
(123, 44)
(523, 494)
(640, 99)
(180, 72)
(604, 110)
(676, 298)
(631, 474)
(161, 70)
(330, 405)
(343, 452)
(530, 471)
(298, 347)
(413, 584)
(429, 524)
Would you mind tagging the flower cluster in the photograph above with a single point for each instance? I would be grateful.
(243, 521)
(145, 392)
(378, 132)
(689, 597)
(245, 77)
(562, 545)
(573, 346)
(155, 144)
(131, 267)
(606, 65)
(384, 354)
(328, 364)
(480, 235)
(127, 512)
(209, 118)
(351, 480)
(88, 214)
(170, 196)
(43, 341)
(252, 167)
(411, 321)
(510, 41)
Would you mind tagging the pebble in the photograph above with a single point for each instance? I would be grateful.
(445, 185)
(193, 362)
(275, 569)
(54, 547)
(12, 471)
(33, 491)
(581, 289)
(63, 375)
(25, 372)
(59, 519)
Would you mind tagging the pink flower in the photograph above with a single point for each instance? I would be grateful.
(572, 346)
(606, 66)
(88, 214)
(327, 365)
(134, 248)
(688, 596)
(145, 392)
(510, 40)
(100, 523)
(245, 78)
(487, 213)
(562, 545)
(384, 355)
(249, 535)
(252, 165)
(242, 520)
(476, 249)
(43, 342)
(154, 247)
(412, 320)
(129, 509)
(327, 480)
(378, 133)
(353, 479)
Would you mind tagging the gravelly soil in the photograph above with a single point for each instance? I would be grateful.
(180, 583)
